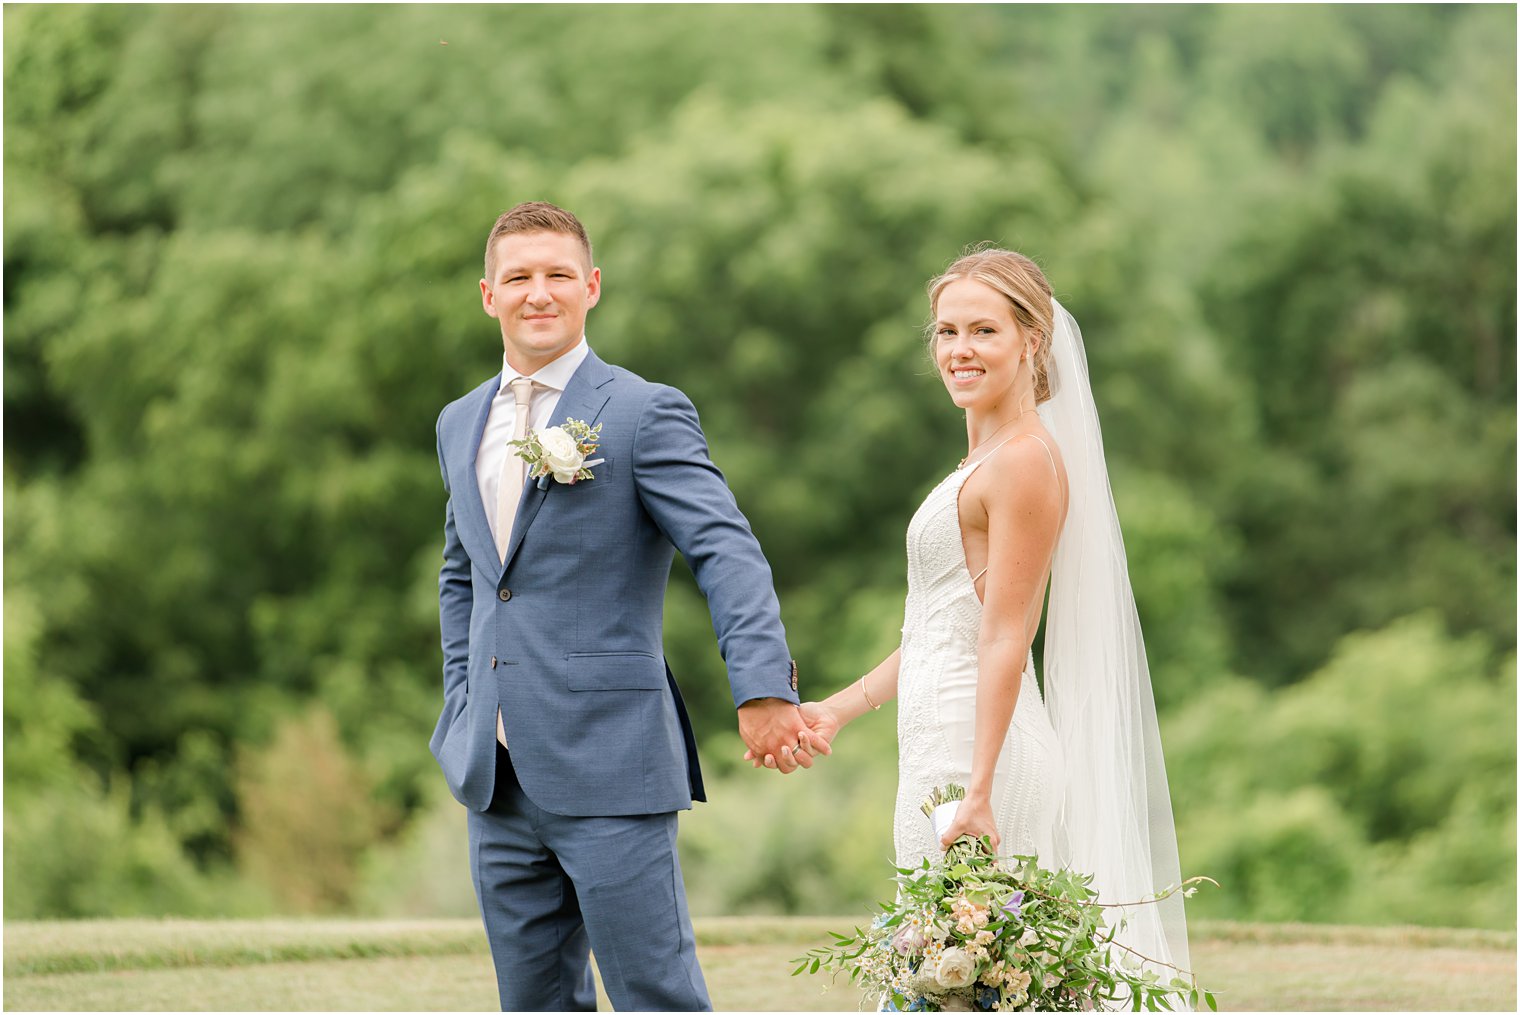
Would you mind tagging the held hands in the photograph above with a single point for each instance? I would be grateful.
(822, 722)
(973, 818)
(775, 730)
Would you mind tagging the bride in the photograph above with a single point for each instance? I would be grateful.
(1080, 784)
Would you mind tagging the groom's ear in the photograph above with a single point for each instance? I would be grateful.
(593, 288)
(487, 299)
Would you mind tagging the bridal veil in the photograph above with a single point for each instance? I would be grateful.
(1116, 816)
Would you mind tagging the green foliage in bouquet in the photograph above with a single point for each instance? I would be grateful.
(976, 932)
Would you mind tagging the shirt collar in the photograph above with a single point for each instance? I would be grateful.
(556, 375)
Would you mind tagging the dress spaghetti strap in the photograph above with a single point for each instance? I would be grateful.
(1010, 440)
(994, 451)
(1048, 454)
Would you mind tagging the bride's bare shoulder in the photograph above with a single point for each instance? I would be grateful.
(1026, 476)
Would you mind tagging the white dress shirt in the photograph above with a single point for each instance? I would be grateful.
(551, 381)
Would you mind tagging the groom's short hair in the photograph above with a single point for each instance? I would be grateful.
(535, 217)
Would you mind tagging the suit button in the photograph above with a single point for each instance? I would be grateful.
(493, 662)
(504, 595)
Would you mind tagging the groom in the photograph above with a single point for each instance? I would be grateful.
(562, 729)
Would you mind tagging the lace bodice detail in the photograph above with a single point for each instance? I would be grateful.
(939, 585)
(937, 694)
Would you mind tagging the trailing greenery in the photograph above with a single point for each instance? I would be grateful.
(976, 932)
(242, 246)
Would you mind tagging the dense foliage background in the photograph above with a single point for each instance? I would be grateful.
(241, 253)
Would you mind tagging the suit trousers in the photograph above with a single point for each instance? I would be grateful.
(553, 888)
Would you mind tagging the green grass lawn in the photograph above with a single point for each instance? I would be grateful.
(352, 965)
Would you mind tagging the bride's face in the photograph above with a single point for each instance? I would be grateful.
(977, 344)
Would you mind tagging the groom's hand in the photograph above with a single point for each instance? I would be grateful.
(824, 723)
(774, 730)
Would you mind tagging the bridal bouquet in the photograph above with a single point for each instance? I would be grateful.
(975, 932)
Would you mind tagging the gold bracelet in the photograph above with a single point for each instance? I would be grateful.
(874, 707)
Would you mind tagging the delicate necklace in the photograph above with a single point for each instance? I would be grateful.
(984, 440)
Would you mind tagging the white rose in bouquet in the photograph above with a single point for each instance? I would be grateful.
(956, 1002)
(955, 969)
(561, 454)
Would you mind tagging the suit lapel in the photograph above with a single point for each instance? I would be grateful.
(470, 517)
(583, 399)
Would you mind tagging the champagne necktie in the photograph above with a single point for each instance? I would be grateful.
(510, 483)
(509, 488)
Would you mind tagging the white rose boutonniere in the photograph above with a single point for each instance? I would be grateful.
(560, 451)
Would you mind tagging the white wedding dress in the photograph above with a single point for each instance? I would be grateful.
(936, 694)
(1081, 785)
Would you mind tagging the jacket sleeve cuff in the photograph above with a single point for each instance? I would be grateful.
(752, 686)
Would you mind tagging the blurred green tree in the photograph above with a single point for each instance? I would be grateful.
(1377, 789)
(241, 252)
(1376, 321)
(307, 815)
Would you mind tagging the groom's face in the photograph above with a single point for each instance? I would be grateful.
(541, 287)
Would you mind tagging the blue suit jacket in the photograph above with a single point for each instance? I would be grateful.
(566, 637)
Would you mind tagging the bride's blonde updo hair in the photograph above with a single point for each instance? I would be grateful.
(1021, 282)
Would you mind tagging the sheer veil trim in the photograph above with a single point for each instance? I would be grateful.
(1115, 819)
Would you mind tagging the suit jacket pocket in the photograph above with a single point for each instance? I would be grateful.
(451, 747)
(615, 671)
(601, 475)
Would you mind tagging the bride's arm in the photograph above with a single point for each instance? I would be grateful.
(867, 694)
(826, 718)
(1022, 504)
